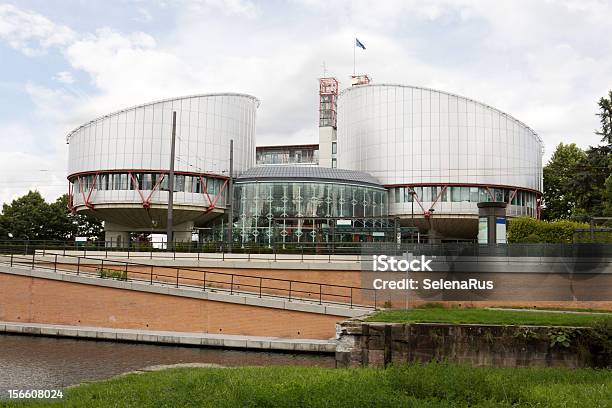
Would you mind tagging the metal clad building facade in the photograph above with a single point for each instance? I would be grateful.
(447, 151)
(122, 159)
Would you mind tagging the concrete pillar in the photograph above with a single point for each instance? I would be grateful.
(327, 136)
(115, 236)
(492, 222)
(183, 232)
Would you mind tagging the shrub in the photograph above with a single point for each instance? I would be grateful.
(112, 274)
(530, 230)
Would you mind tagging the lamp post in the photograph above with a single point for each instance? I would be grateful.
(412, 194)
(230, 185)
(170, 220)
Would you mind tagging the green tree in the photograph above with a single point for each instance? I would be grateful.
(560, 197)
(78, 224)
(26, 218)
(605, 118)
(576, 181)
(30, 217)
(608, 197)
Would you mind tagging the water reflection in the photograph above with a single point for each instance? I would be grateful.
(28, 362)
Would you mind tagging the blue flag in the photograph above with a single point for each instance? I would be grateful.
(359, 44)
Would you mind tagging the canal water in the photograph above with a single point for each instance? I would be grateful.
(29, 362)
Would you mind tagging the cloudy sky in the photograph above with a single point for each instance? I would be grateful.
(64, 62)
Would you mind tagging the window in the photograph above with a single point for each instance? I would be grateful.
(455, 194)
(334, 148)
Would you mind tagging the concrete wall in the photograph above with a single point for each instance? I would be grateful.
(37, 300)
(531, 282)
(377, 344)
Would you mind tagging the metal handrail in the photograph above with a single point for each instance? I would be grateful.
(205, 282)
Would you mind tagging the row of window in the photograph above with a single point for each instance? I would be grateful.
(308, 199)
(146, 181)
(463, 194)
(290, 156)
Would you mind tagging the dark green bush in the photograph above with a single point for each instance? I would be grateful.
(530, 230)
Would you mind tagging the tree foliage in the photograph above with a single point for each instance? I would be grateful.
(561, 198)
(605, 118)
(30, 217)
(576, 182)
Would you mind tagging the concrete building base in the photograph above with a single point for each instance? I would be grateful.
(118, 236)
(115, 236)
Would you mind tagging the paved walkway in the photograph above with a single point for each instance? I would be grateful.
(171, 338)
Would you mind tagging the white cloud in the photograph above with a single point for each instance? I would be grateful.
(64, 77)
(31, 33)
(544, 62)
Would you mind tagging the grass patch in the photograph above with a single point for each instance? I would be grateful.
(429, 385)
(106, 273)
(560, 309)
(431, 314)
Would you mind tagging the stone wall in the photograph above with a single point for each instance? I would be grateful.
(363, 344)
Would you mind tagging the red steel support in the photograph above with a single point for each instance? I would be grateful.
(147, 202)
(135, 181)
(86, 201)
(213, 205)
(514, 192)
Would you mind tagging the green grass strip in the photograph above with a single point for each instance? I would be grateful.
(415, 385)
(487, 316)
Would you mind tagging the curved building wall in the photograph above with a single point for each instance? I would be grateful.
(118, 163)
(414, 137)
(139, 137)
(304, 210)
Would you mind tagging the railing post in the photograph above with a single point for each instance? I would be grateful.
(11, 259)
(320, 294)
(351, 297)
(78, 264)
(290, 291)
(151, 280)
(204, 284)
(375, 306)
(177, 277)
(232, 285)
(260, 279)
(126, 271)
(102, 266)
(33, 255)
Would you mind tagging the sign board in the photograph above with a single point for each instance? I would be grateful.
(500, 230)
(79, 241)
(344, 223)
(483, 230)
(378, 234)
